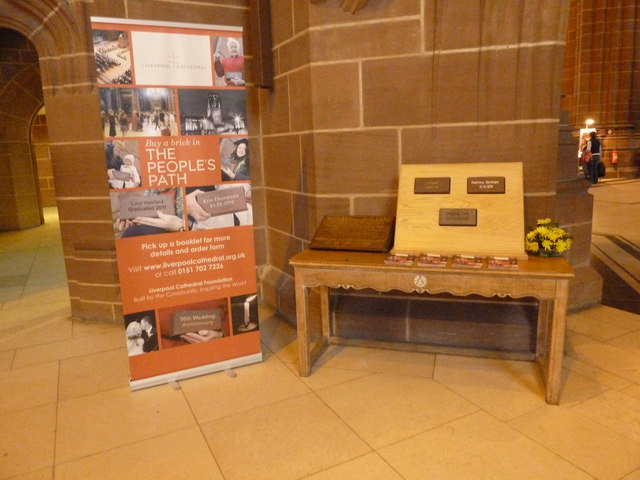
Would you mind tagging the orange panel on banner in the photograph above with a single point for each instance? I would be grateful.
(175, 267)
(174, 119)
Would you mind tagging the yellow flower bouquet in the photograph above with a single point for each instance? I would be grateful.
(547, 239)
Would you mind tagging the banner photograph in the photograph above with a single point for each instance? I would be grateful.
(177, 163)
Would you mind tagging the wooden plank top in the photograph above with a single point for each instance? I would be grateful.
(556, 267)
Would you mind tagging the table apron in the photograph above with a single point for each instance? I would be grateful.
(456, 283)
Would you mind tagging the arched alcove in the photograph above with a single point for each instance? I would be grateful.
(20, 100)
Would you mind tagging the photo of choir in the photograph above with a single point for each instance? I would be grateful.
(113, 57)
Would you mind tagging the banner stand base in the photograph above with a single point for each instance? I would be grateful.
(194, 372)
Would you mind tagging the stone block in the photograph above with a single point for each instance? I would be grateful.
(454, 25)
(300, 16)
(537, 87)
(99, 293)
(90, 271)
(362, 40)
(108, 8)
(279, 204)
(93, 311)
(341, 159)
(455, 95)
(282, 20)
(282, 162)
(381, 82)
(260, 245)
(536, 207)
(375, 205)
(76, 118)
(281, 248)
(585, 289)
(74, 231)
(48, 197)
(79, 169)
(84, 209)
(224, 12)
(293, 54)
(308, 212)
(335, 96)
(286, 299)
(301, 100)
(41, 152)
(29, 215)
(580, 252)
(259, 207)
(326, 13)
(271, 282)
(498, 76)
(274, 107)
(253, 112)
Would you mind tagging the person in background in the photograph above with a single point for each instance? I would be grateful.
(111, 118)
(123, 119)
(593, 147)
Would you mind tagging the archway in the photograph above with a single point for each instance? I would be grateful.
(64, 59)
(20, 101)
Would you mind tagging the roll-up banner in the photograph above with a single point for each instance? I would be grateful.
(177, 161)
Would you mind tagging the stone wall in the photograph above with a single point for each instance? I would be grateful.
(357, 96)
(354, 97)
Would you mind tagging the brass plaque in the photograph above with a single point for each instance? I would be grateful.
(355, 233)
(485, 185)
(185, 321)
(219, 202)
(466, 217)
(132, 206)
(431, 185)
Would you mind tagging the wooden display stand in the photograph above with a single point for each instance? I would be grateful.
(471, 209)
(461, 208)
(546, 279)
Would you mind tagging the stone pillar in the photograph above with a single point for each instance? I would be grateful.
(602, 71)
(574, 211)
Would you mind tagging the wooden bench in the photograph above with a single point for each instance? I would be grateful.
(546, 279)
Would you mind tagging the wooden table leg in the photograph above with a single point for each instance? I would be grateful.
(304, 354)
(325, 313)
(556, 343)
(545, 308)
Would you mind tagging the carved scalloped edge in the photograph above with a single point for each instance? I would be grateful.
(492, 293)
